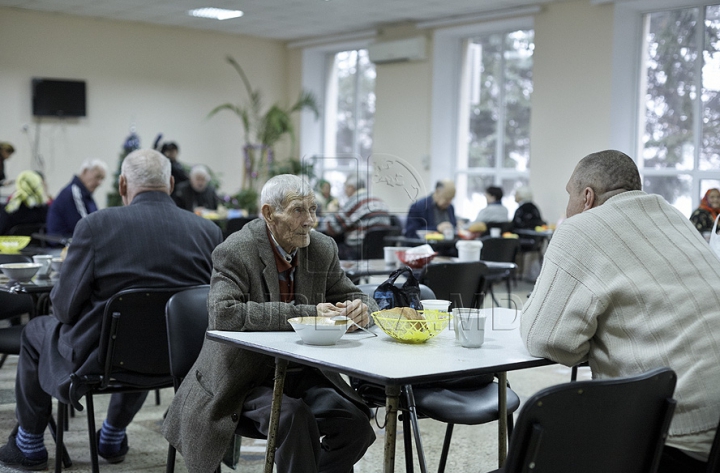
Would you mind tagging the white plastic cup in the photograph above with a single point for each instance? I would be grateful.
(469, 327)
(469, 250)
(390, 253)
(495, 232)
(435, 304)
(44, 261)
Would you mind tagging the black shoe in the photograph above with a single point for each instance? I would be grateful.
(113, 457)
(10, 455)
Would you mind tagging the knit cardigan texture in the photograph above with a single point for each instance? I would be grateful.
(630, 286)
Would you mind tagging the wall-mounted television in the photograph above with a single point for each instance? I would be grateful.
(58, 98)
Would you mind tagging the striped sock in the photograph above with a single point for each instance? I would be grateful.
(110, 438)
(31, 445)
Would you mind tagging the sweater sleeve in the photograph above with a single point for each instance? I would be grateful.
(560, 317)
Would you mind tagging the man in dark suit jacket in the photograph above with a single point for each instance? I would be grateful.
(148, 243)
(274, 269)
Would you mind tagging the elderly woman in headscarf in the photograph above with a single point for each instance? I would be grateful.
(28, 204)
(704, 216)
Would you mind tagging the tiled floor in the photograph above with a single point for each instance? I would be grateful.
(474, 448)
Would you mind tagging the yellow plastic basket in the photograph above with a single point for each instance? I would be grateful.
(413, 331)
(13, 244)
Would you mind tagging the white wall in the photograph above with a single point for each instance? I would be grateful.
(160, 79)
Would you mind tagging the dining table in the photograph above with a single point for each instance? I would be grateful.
(393, 364)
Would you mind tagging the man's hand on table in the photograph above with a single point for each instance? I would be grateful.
(355, 310)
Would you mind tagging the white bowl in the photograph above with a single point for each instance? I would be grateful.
(20, 271)
(318, 330)
(56, 264)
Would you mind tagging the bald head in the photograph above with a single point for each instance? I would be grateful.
(444, 193)
(599, 176)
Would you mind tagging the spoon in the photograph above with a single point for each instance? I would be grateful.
(342, 318)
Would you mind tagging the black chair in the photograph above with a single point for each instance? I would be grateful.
(472, 400)
(133, 352)
(611, 425)
(461, 283)
(374, 242)
(713, 463)
(235, 224)
(187, 321)
(28, 229)
(503, 250)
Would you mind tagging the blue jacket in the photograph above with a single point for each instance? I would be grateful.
(72, 203)
(421, 216)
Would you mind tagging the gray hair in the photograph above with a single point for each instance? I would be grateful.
(278, 191)
(89, 164)
(524, 193)
(201, 170)
(146, 168)
(356, 182)
(607, 171)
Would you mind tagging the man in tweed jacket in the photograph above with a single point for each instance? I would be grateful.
(274, 269)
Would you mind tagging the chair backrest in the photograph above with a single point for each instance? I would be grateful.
(374, 241)
(235, 224)
(461, 283)
(133, 341)
(503, 250)
(187, 320)
(597, 426)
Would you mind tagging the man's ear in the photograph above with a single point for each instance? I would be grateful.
(122, 186)
(172, 184)
(267, 212)
(589, 197)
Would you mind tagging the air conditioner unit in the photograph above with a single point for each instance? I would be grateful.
(409, 49)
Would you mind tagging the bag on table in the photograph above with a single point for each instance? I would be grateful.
(388, 295)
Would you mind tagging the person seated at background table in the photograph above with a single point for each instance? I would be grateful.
(360, 213)
(28, 204)
(628, 294)
(434, 212)
(197, 193)
(149, 242)
(170, 150)
(75, 201)
(327, 203)
(704, 216)
(274, 269)
(527, 215)
(6, 150)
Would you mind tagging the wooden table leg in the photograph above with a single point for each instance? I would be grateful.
(392, 402)
(280, 369)
(502, 418)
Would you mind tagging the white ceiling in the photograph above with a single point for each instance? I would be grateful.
(277, 19)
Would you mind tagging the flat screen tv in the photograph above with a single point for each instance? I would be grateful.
(58, 98)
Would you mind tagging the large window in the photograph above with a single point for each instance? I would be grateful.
(679, 132)
(349, 117)
(494, 124)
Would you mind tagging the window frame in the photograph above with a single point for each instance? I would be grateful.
(627, 78)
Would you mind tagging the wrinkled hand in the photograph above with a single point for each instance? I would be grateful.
(327, 309)
(442, 226)
(355, 310)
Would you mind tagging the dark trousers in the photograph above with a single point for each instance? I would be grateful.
(311, 409)
(674, 460)
(34, 405)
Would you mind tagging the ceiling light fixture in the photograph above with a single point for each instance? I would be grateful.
(215, 13)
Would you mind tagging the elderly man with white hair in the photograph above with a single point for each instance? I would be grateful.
(197, 193)
(75, 201)
(272, 270)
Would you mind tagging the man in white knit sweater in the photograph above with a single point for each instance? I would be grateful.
(629, 285)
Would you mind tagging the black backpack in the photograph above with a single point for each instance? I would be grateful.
(388, 295)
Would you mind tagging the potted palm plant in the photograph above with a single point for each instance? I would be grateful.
(263, 129)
